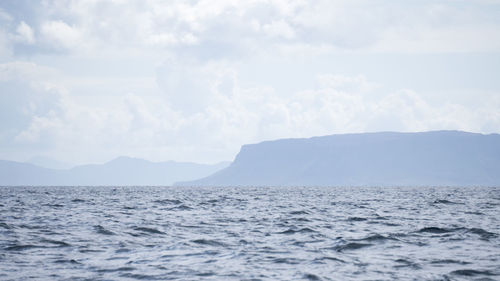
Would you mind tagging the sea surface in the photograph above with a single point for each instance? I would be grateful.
(257, 233)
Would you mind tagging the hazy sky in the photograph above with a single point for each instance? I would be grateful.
(86, 81)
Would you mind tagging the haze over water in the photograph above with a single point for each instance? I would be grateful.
(253, 233)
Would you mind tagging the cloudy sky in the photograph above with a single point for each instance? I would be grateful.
(87, 81)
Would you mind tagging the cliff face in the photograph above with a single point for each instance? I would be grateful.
(428, 158)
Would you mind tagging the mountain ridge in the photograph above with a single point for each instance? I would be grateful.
(122, 170)
(360, 159)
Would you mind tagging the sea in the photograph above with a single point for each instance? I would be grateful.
(249, 233)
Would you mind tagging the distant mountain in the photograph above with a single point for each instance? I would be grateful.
(120, 171)
(430, 158)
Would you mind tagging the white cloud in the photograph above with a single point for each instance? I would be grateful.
(279, 28)
(154, 128)
(61, 35)
(29, 103)
(39, 125)
(167, 80)
(25, 33)
(341, 25)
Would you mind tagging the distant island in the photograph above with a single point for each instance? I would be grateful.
(437, 158)
(123, 171)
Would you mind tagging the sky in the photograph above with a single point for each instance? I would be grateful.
(88, 81)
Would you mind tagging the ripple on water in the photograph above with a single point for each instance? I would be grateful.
(485, 235)
(377, 238)
(55, 205)
(181, 207)
(21, 247)
(294, 231)
(449, 261)
(209, 242)
(168, 202)
(56, 242)
(101, 230)
(444, 201)
(149, 230)
(356, 219)
(71, 261)
(350, 246)
(473, 272)
(254, 233)
(301, 212)
(141, 276)
(406, 263)
(328, 258)
(4, 225)
(435, 230)
(123, 268)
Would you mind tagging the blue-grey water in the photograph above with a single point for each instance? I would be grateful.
(162, 233)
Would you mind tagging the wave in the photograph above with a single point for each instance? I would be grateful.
(54, 205)
(123, 268)
(293, 231)
(351, 246)
(472, 272)
(101, 230)
(444, 201)
(22, 247)
(449, 261)
(181, 208)
(356, 219)
(483, 234)
(327, 258)
(72, 261)
(206, 233)
(209, 242)
(4, 225)
(301, 212)
(310, 276)
(435, 230)
(406, 263)
(376, 237)
(149, 230)
(168, 202)
(56, 242)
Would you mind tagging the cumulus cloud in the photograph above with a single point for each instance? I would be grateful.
(194, 80)
(249, 26)
(280, 29)
(29, 103)
(190, 87)
(61, 35)
(41, 113)
(25, 32)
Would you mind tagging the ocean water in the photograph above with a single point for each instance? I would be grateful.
(266, 233)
